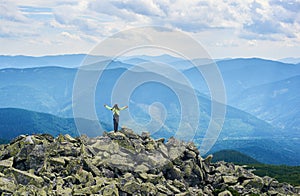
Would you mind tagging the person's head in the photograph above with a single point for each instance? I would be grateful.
(116, 106)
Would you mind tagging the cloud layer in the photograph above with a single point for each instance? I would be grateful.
(53, 24)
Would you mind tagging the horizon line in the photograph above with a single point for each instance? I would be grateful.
(151, 55)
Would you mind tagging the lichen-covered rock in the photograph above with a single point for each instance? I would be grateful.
(7, 185)
(256, 183)
(131, 187)
(23, 177)
(230, 179)
(122, 163)
(110, 190)
(163, 189)
(148, 189)
(6, 163)
(225, 193)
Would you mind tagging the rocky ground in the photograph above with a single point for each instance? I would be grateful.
(122, 163)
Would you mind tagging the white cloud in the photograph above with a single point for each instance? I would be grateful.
(71, 36)
(142, 7)
(9, 11)
(90, 21)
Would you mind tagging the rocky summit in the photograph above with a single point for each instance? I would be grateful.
(122, 163)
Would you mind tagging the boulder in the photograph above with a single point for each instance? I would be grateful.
(148, 189)
(208, 159)
(91, 168)
(161, 188)
(225, 193)
(175, 152)
(129, 133)
(110, 190)
(7, 185)
(230, 179)
(131, 187)
(172, 188)
(141, 168)
(117, 136)
(255, 182)
(30, 190)
(122, 163)
(25, 178)
(7, 163)
(160, 140)
(70, 138)
(145, 135)
(28, 140)
(153, 178)
(163, 149)
(180, 185)
(57, 160)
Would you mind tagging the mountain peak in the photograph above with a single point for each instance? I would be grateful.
(121, 163)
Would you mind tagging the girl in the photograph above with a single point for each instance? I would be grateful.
(116, 113)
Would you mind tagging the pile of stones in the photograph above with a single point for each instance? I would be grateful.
(122, 163)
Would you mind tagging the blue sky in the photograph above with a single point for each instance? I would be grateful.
(225, 28)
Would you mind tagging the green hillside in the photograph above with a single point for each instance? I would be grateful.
(233, 156)
(14, 122)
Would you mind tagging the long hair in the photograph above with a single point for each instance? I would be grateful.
(116, 107)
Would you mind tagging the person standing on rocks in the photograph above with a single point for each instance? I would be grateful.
(116, 113)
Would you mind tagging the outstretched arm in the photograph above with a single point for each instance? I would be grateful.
(107, 107)
(123, 108)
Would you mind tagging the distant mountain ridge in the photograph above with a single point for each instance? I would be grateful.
(251, 85)
(248, 83)
(292, 60)
(14, 122)
(263, 102)
(20, 61)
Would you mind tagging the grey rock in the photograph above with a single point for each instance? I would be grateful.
(148, 189)
(131, 187)
(25, 178)
(256, 183)
(7, 185)
(145, 135)
(161, 188)
(70, 138)
(129, 133)
(163, 149)
(208, 159)
(7, 163)
(225, 193)
(160, 140)
(172, 188)
(230, 179)
(141, 168)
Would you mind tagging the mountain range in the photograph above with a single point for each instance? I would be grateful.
(262, 117)
(15, 122)
(21, 61)
(275, 102)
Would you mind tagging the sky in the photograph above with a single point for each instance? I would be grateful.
(225, 28)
